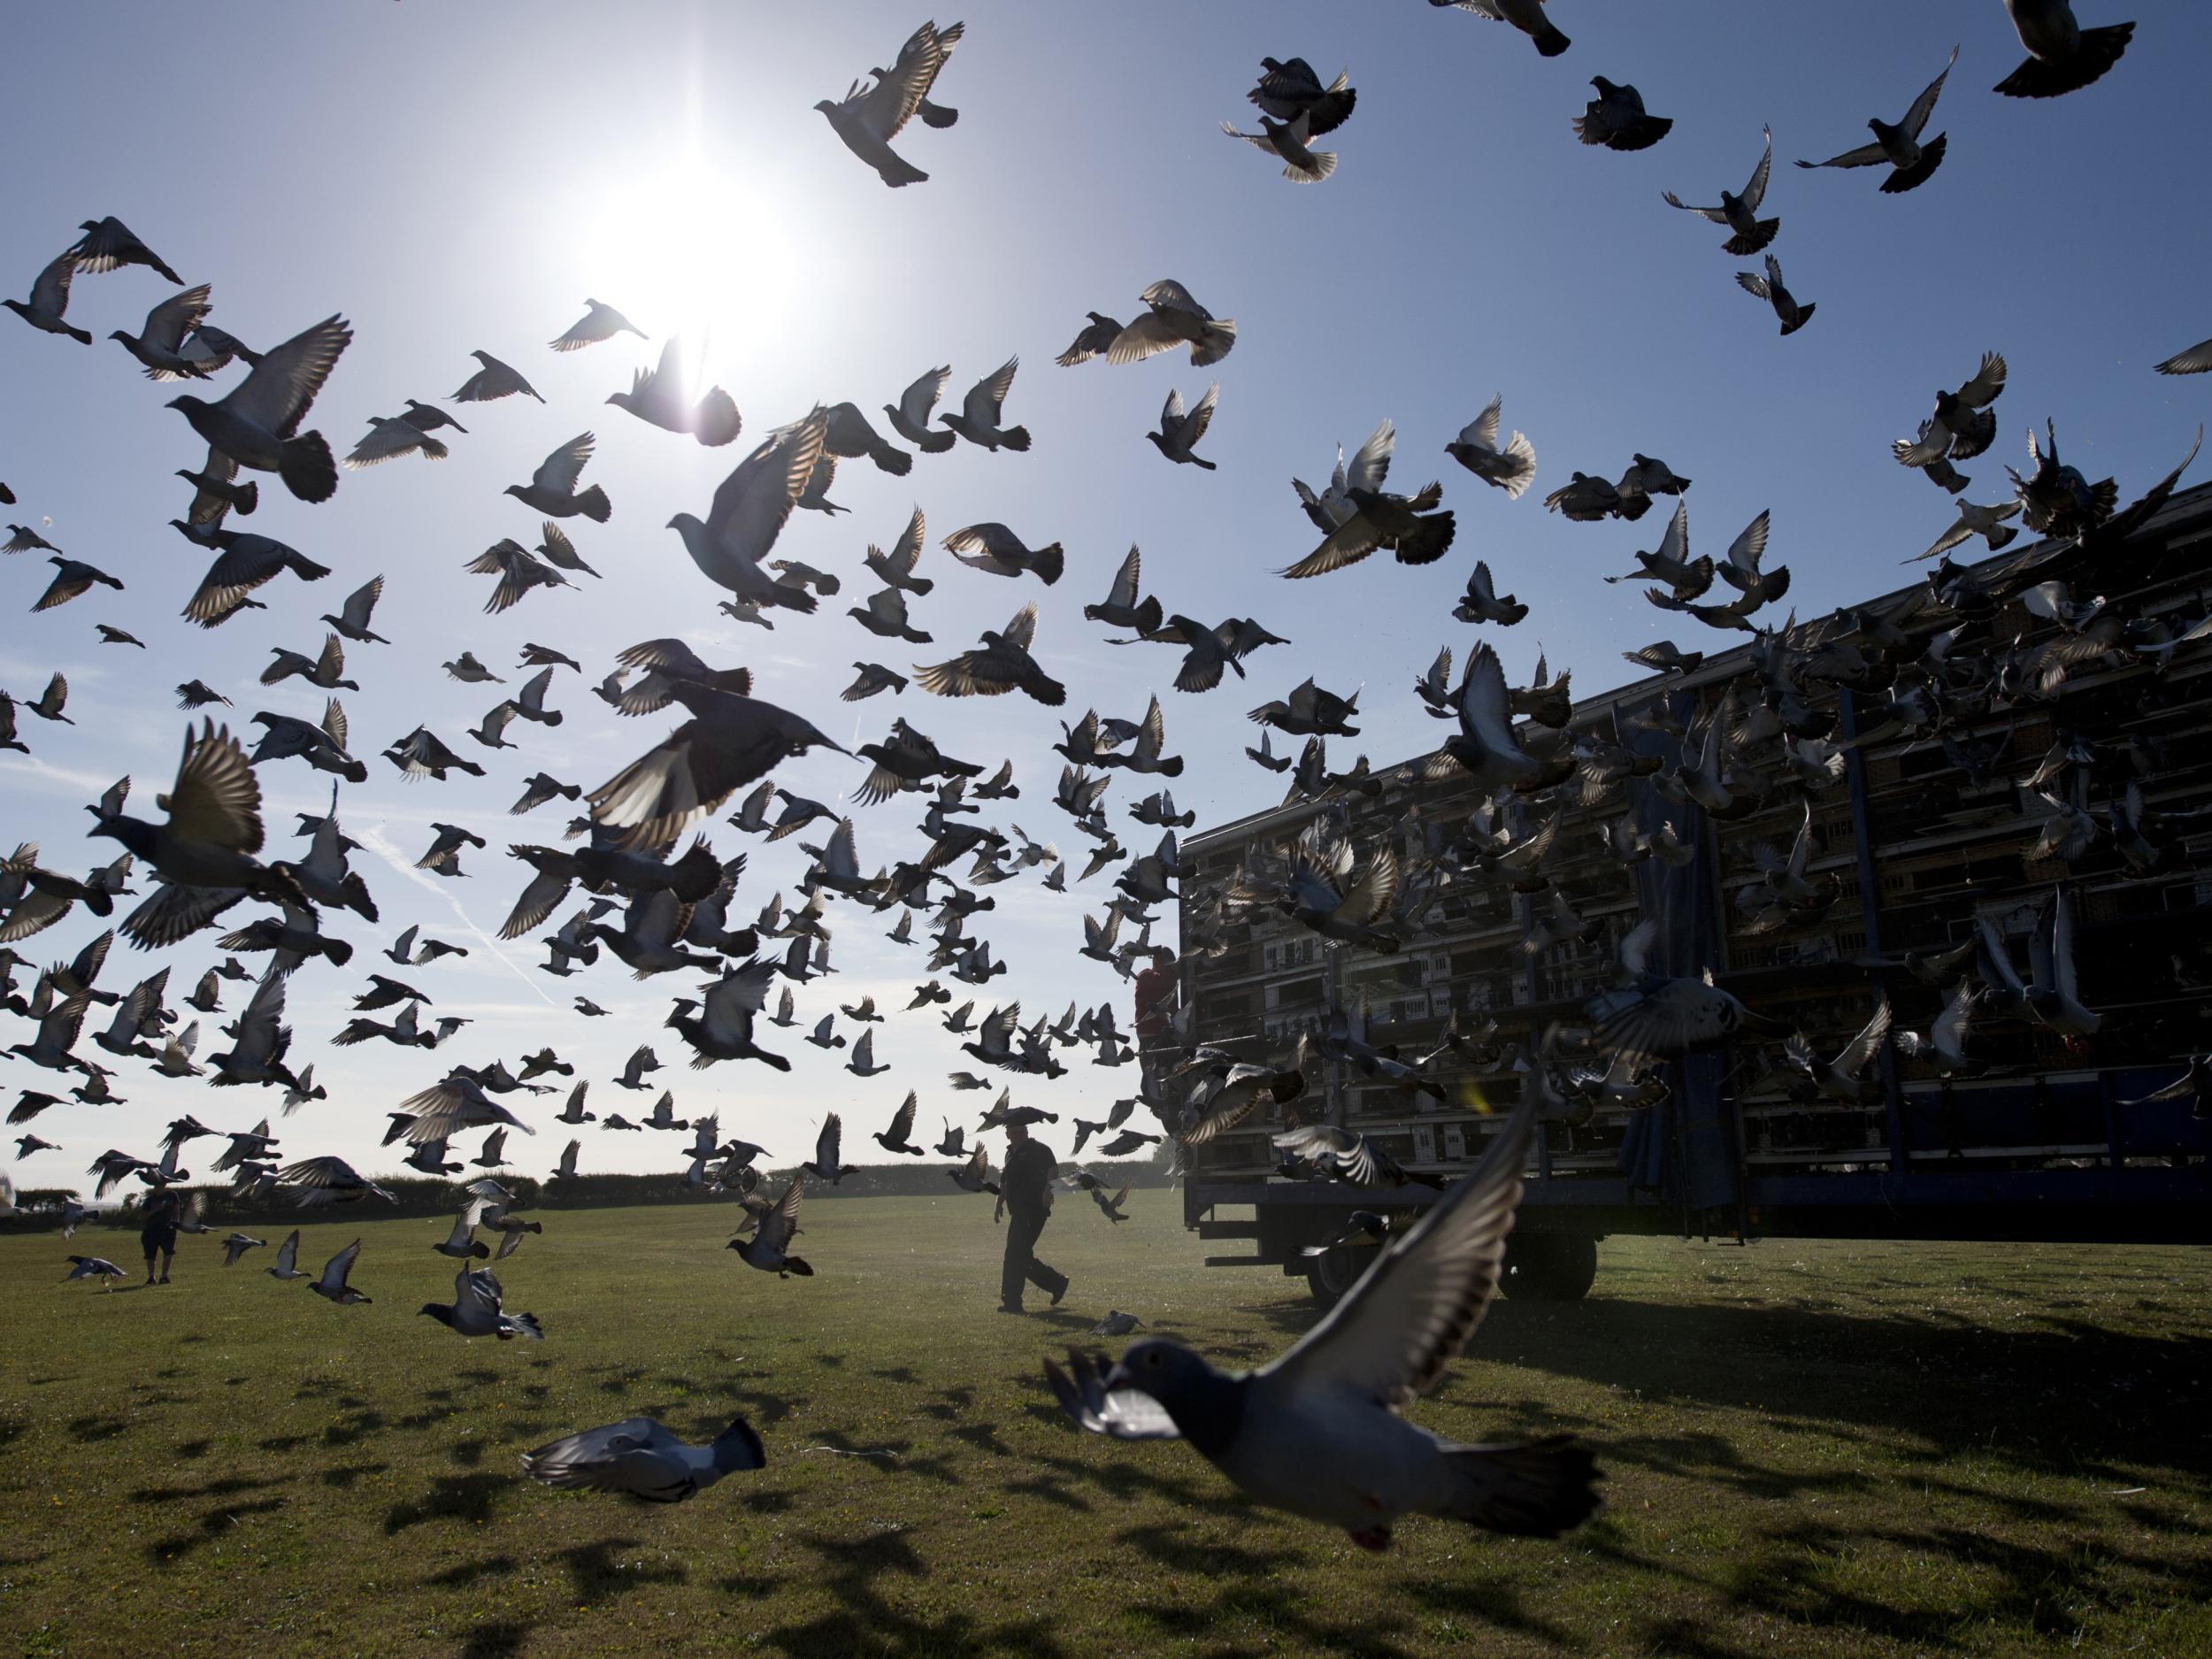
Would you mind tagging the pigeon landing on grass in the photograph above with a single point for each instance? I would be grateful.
(640, 1457)
(1317, 1432)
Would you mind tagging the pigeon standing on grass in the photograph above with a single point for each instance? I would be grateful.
(1317, 1432)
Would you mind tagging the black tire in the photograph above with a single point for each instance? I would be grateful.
(1549, 1266)
(1334, 1272)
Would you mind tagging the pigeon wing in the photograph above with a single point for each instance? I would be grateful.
(276, 393)
(1391, 1337)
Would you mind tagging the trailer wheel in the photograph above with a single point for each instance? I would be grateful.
(1332, 1273)
(1549, 1266)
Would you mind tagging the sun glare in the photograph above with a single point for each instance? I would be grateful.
(686, 247)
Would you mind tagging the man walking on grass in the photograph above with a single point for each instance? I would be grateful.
(157, 1234)
(1025, 1189)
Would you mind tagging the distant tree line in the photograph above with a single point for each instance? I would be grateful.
(429, 1196)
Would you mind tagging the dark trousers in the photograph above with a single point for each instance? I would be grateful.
(1022, 1228)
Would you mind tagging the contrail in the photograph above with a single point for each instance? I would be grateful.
(374, 839)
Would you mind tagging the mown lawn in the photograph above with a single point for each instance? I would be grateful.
(1811, 1449)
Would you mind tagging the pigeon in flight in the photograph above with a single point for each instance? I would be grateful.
(50, 301)
(552, 490)
(910, 416)
(1511, 469)
(1527, 15)
(1292, 142)
(1002, 663)
(332, 1286)
(599, 322)
(997, 551)
(387, 439)
(475, 1309)
(2196, 360)
(1910, 162)
(1289, 89)
(492, 381)
(870, 116)
(768, 1247)
(2062, 55)
(1768, 287)
(108, 244)
(161, 348)
(656, 397)
(1616, 119)
(638, 1457)
(1317, 1432)
(256, 423)
(984, 407)
(1174, 318)
(1739, 213)
(1094, 340)
(1179, 432)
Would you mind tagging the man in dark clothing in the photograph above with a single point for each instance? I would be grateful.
(1025, 1189)
(157, 1234)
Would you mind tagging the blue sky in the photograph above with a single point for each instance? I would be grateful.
(459, 178)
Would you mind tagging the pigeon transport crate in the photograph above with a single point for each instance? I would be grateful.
(2041, 1137)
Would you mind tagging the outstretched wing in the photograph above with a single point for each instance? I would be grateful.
(1391, 1337)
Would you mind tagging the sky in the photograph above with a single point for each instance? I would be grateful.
(453, 179)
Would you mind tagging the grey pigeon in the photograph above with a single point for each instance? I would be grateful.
(1910, 162)
(493, 380)
(256, 423)
(2062, 55)
(1316, 1432)
(1616, 119)
(1528, 16)
(599, 322)
(638, 1457)
(1739, 213)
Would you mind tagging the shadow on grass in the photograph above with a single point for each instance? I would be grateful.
(220, 1519)
(495, 1638)
(596, 1571)
(464, 1498)
(868, 1620)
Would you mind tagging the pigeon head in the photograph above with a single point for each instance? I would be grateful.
(119, 334)
(1205, 1404)
(188, 404)
(512, 489)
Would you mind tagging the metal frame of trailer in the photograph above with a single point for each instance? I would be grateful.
(2039, 1151)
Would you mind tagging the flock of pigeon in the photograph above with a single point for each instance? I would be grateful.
(1317, 1432)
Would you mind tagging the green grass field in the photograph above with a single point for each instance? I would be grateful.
(1811, 1449)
